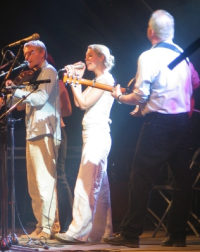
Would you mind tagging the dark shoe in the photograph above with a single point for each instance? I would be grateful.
(63, 237)
(171, 242)
(119, 240)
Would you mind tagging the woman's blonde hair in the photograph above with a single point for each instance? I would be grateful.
(104, 50)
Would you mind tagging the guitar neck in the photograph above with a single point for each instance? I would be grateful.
(90, 83)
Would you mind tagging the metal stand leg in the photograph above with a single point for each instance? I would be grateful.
(11, 123)
(5, 241)
(160, 220)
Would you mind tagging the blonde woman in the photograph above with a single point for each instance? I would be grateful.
(91, 207)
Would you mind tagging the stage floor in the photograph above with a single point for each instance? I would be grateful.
(147, 243)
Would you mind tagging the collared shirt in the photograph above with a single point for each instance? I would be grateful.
(43, 105)
(161, 89)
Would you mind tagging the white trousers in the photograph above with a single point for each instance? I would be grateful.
(92, 218)
(41, 155)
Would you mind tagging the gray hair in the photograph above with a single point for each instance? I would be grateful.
(163, 24)
(104, 50)
(38, 44)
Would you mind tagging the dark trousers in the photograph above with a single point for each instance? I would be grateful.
(63, 188)
(163, 138)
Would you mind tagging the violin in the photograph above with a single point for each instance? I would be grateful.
(22, 78)
(27, 76)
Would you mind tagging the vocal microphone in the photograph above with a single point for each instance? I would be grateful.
(34, 36)
(21, 66)
(77, 66)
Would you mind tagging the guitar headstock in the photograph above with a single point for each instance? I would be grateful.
(70, 79)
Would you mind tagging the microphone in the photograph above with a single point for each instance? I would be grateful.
(34, 36)
(21, 66)
(77, 66)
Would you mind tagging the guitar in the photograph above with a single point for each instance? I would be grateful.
(93, 83)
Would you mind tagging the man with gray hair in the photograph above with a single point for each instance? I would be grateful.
(164, 97)
(42, 137)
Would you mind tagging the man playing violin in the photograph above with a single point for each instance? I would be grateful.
(42, 138)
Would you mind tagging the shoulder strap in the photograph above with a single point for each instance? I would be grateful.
(171, 47)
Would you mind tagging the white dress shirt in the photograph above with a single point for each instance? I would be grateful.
(161, 89)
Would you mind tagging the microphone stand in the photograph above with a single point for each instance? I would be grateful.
(11, 123)
(7, 242)
(11, 68)
(4, 242)
(12, 238)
